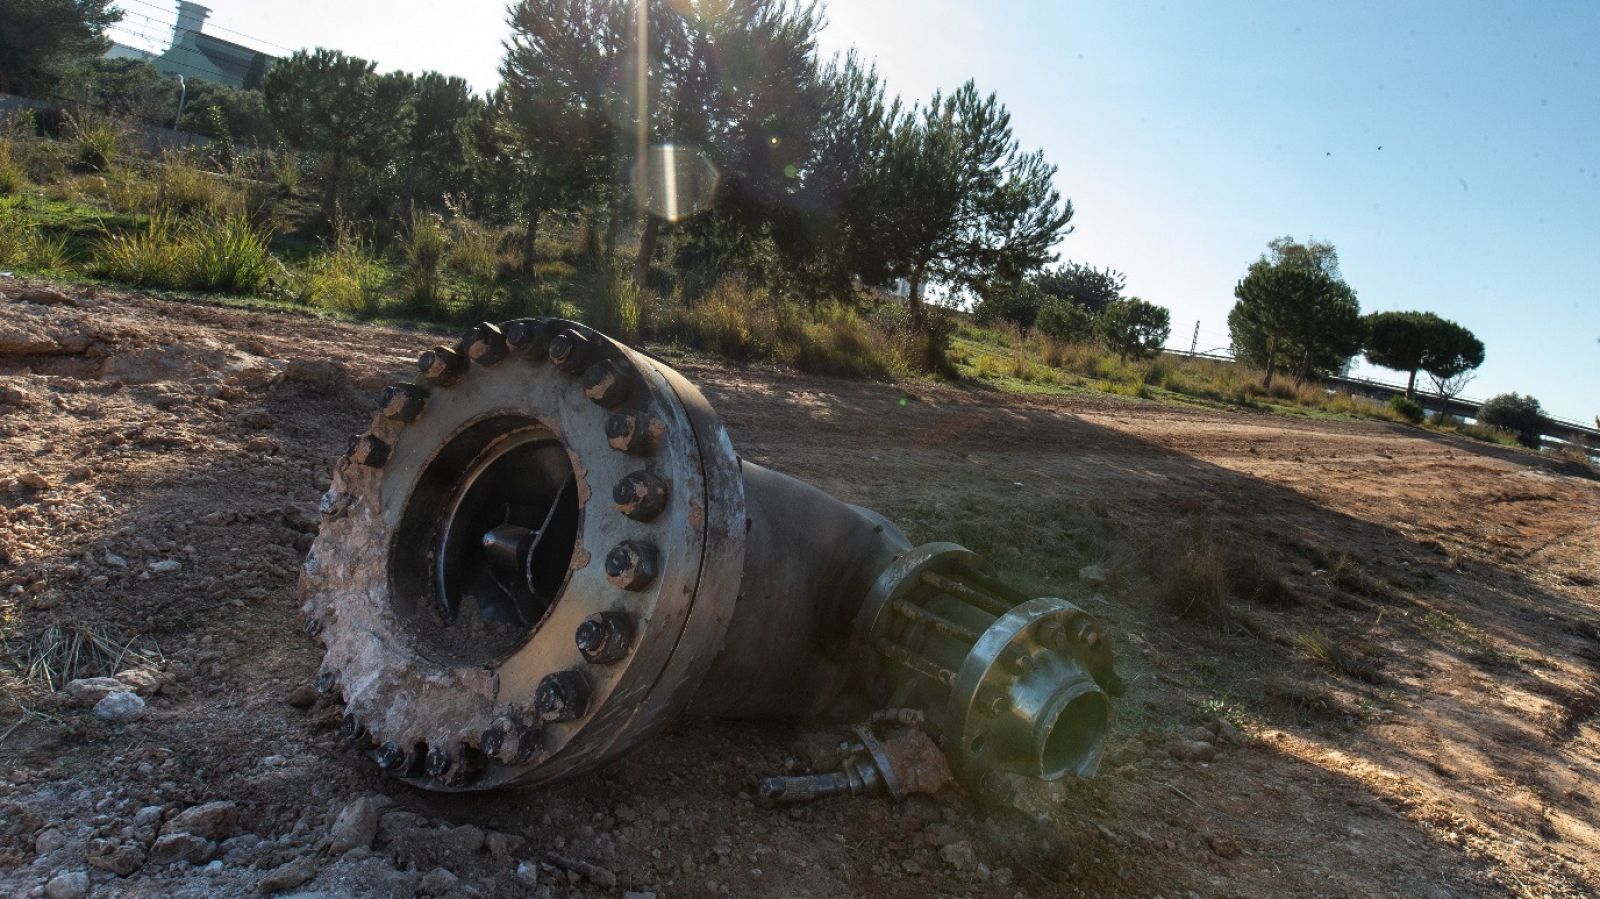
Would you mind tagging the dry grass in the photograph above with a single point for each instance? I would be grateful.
(1329, 653)
(65, 652)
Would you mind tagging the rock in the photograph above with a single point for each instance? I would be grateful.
(90, 690)
(181, 847)
(71, 885)
(165, 566)
(959, 856)
(115, 856)
(1229, 734)
(940, 834)
(528, 874)
(142, 681)
(48, 841)
(289, 875)
(438, 882)
(635, 894)
(321, 375)
(503, 845)
(116, 561)
(302, 697)
(1191, 750)
(213, 820)
(120, 707)
(15, 395)
(820, 751)
(461, 842)
(1094, 575)
(33, 480)
(147, 816)
(355, 826)
(48, 296)
(259, 419)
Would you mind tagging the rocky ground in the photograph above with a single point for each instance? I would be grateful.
(1396, 696)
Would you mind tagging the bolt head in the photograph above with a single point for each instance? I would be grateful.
(354, 732)
(530, 334)
(485, 344)
(633, 433)
(570, 350)
(508, 742)
(326, 681)
(604, 638)
(563, 696)
(367, 450)
(632, 565)
(441, 365)
(1090, 634)
(607, 384)
(641, 495)
(438, 761)
(313, 626)
(391, 756)
(402, 402)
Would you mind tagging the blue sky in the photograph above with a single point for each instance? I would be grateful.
(1188, 135)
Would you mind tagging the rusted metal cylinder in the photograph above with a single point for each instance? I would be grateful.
(558, 551)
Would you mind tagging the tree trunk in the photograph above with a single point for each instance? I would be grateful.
(614, 227)
(1304, 372)
(408, 194)
(914, 302)
(1411, 385)
(330, 190)
(647, 249)
(1272, 362)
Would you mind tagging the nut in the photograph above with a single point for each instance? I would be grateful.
(391, 756)
(509, 742)
(563, 696)
(402, 402)
(632, 565)
(354, 732)
(529, 334)
(641, 495)
(607, 384)
(604, 638)
(485, 344)
(368, 450)
(570, 351)
(441, 365)
(634, 433)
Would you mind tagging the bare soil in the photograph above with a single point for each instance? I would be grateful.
(1398, 688)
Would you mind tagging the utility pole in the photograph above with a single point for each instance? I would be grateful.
(183, 95)
(1194, 342)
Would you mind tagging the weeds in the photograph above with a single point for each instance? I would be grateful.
(66, 652)
(610, 301)
(1324, 651)
(426, 246)
(347, 277)
(12, 176)
(25, 245)
(223, 254)
(96, 143)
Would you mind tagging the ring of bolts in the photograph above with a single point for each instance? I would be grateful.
(632, 565)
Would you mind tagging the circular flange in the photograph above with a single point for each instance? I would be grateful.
(410, 697)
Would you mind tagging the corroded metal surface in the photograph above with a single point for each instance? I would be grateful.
(545, 548)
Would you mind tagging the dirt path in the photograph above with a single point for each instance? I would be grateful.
(1414, 696)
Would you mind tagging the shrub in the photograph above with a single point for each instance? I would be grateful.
(148, 258)
(187, 189)
(1408, 409)
(840, 342)
(1195, 583)
(24, 245)
(1518, 414)
(610, 301)
(12, 177)
(226, 254)
(96, 143)
(346, 277)
(473, 254)
(1063, 321)
(426, 245)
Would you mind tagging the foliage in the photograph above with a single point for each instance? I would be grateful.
(610, 301)
(41, 39)
(346, 276)
(425, 248)
(1521, 415)
(1292, 308)
(223, 254)
(96, 141)
(1133, 327)
(1091, 288)
(1407, 409)
(24, 245)
(1066, 321)
(1421, 341)
(1019, 304)
(432, 153)
(337, 106)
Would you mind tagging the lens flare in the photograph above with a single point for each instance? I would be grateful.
(676, 181)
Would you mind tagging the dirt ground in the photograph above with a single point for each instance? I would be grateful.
(1398, 696)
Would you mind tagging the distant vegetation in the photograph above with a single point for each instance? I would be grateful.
(779, 199)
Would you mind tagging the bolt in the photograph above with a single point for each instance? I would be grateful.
(640, 495)
(326, 681)
(632, 565)
(485, 344)
(1090, 635)
(313, 626)
(531, 334)
(402, 402)
(607, 384)
(438, 762)
(368, 450)
(355, 733)
(992, 700)
(569, 350)
(563, 696)
(441, 365)
(633, 432)
(509, 742)
(604, 638)
(391, 756)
